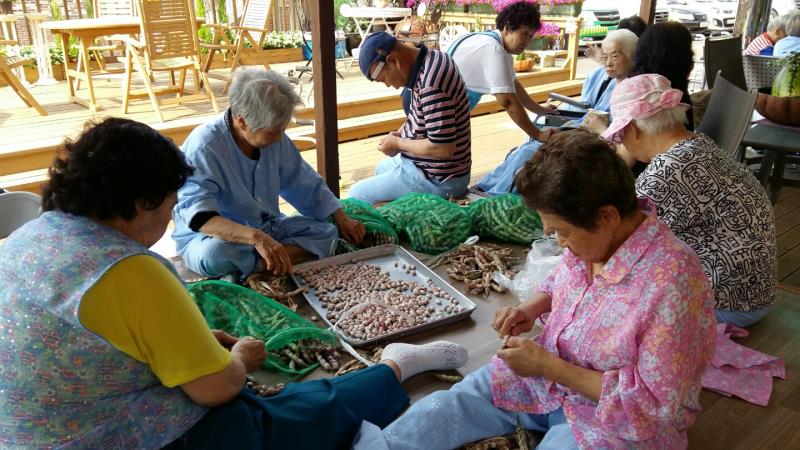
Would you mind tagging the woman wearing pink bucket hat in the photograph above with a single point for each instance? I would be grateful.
(708, 200)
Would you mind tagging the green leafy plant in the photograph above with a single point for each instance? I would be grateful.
(56, 55)
(341, 21)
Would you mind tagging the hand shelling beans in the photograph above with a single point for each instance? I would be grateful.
(274, 288)
(301, 354)
(474, 265)
(366, 303)
(263, 390)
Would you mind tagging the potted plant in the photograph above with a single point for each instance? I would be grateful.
(522, 63)
(783, 106)
(543, 39)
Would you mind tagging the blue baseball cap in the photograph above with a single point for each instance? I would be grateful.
(374, 48)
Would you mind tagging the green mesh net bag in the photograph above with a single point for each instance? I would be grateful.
(379, 231)
(243, 312)
(505, 218)
(432, 224)
(401, 212)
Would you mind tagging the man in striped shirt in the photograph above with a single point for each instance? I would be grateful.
(431, 152)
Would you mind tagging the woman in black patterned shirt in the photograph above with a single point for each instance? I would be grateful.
(708, 199)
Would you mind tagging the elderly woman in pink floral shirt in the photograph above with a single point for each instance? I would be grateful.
(630, 331)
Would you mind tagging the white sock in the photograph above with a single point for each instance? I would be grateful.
(414, 359)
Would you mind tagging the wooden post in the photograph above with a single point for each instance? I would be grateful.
(573, 28)
(324, 70)
(647, 11)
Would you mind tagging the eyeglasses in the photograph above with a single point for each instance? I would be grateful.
(377, 70)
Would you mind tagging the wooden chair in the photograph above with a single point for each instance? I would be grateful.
(246, 44)
(12, 60)
(9, 63)
(168, 43)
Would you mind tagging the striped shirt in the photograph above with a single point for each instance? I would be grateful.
(439, 111)
(758, 44)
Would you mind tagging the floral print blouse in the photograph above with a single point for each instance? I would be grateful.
(646, 322)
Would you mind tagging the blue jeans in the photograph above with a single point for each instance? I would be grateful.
(398, 176)
(464, 413)
(501, 180)
(214, 257)
(742, 318)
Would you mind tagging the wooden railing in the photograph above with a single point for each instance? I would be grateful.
(570, 30)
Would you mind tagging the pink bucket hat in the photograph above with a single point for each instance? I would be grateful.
(630, 102)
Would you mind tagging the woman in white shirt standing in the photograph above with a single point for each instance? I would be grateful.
(487, 67)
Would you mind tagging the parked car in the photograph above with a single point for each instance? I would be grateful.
(629, 8)
(721, 14)
(599, 17)
(661, 15)
(694, 19)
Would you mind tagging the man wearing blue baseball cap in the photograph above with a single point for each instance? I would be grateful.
(431, 153)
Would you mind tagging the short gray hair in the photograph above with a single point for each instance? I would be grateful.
(791, 22)
(662, 121)
(626, 40)
(778, 23)
(264, 98)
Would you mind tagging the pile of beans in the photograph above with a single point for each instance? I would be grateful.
(390, 305)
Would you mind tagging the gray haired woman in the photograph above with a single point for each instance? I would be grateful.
(227, 220)
(708, 200)
(791, 43)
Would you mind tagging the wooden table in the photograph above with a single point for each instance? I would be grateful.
(86, 31)
(372, 16)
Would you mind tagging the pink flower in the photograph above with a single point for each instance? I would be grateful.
(549, 29)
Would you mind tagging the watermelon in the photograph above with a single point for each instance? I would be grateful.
(787, 82)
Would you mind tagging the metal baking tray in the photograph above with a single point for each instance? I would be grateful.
(385, 257)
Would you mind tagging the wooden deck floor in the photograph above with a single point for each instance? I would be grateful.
(21, 125)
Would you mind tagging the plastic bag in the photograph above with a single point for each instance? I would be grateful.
(545, 254)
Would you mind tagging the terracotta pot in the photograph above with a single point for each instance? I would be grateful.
(523, 66)
(782, 110)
